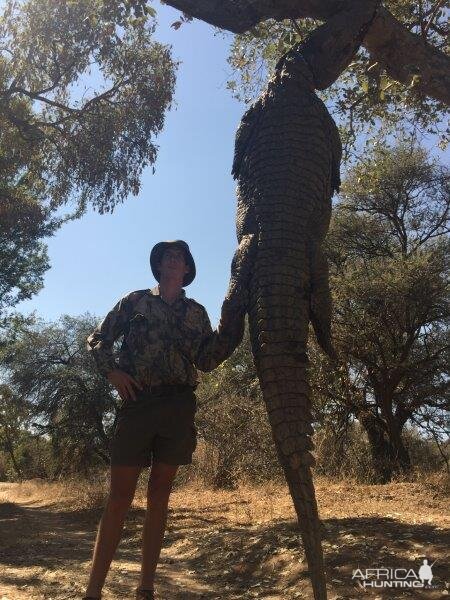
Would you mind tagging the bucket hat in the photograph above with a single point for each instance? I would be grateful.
(157, 252)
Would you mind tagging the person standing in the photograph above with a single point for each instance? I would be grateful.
(166, 338)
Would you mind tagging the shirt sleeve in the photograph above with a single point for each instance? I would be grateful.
(216, 346)
(100, 342)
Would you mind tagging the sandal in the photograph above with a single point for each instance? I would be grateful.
(145, 594)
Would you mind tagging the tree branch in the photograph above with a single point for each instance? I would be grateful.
(405, 56)
(438, 6)
(64, 107)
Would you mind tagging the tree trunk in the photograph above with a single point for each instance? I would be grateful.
(8, 445)
(389, 454)
(10, 450)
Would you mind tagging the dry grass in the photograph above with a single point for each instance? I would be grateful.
(240, 543)
(223, 544)
(252, 504)
(76, 494)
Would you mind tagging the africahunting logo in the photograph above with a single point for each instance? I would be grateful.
(390, 577)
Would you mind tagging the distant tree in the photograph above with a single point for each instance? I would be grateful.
(63, 148)
(389, 257)
(48, 365)
(14, 419)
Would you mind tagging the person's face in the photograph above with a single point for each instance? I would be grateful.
(173, 263)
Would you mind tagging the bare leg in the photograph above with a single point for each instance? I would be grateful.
(121, 494)
(158, 492)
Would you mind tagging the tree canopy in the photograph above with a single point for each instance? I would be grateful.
(63, 146)
(81, 147)
(391, 41)
(389, 256)
(399, 78)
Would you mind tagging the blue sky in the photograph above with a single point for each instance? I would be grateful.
(99, 258)
(191, 196)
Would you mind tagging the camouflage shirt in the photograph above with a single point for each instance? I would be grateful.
(162, 343)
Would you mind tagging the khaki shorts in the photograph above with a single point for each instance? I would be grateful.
(155, 428)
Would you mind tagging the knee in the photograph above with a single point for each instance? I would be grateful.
(158, 492)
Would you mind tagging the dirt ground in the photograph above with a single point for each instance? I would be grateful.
(225, 545)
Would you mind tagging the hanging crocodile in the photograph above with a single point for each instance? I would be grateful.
(287, 163)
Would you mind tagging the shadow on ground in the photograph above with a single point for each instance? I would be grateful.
(205, 556)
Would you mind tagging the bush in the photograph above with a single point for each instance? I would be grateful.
(235, 442)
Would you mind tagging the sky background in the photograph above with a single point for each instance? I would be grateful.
(100, 258)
